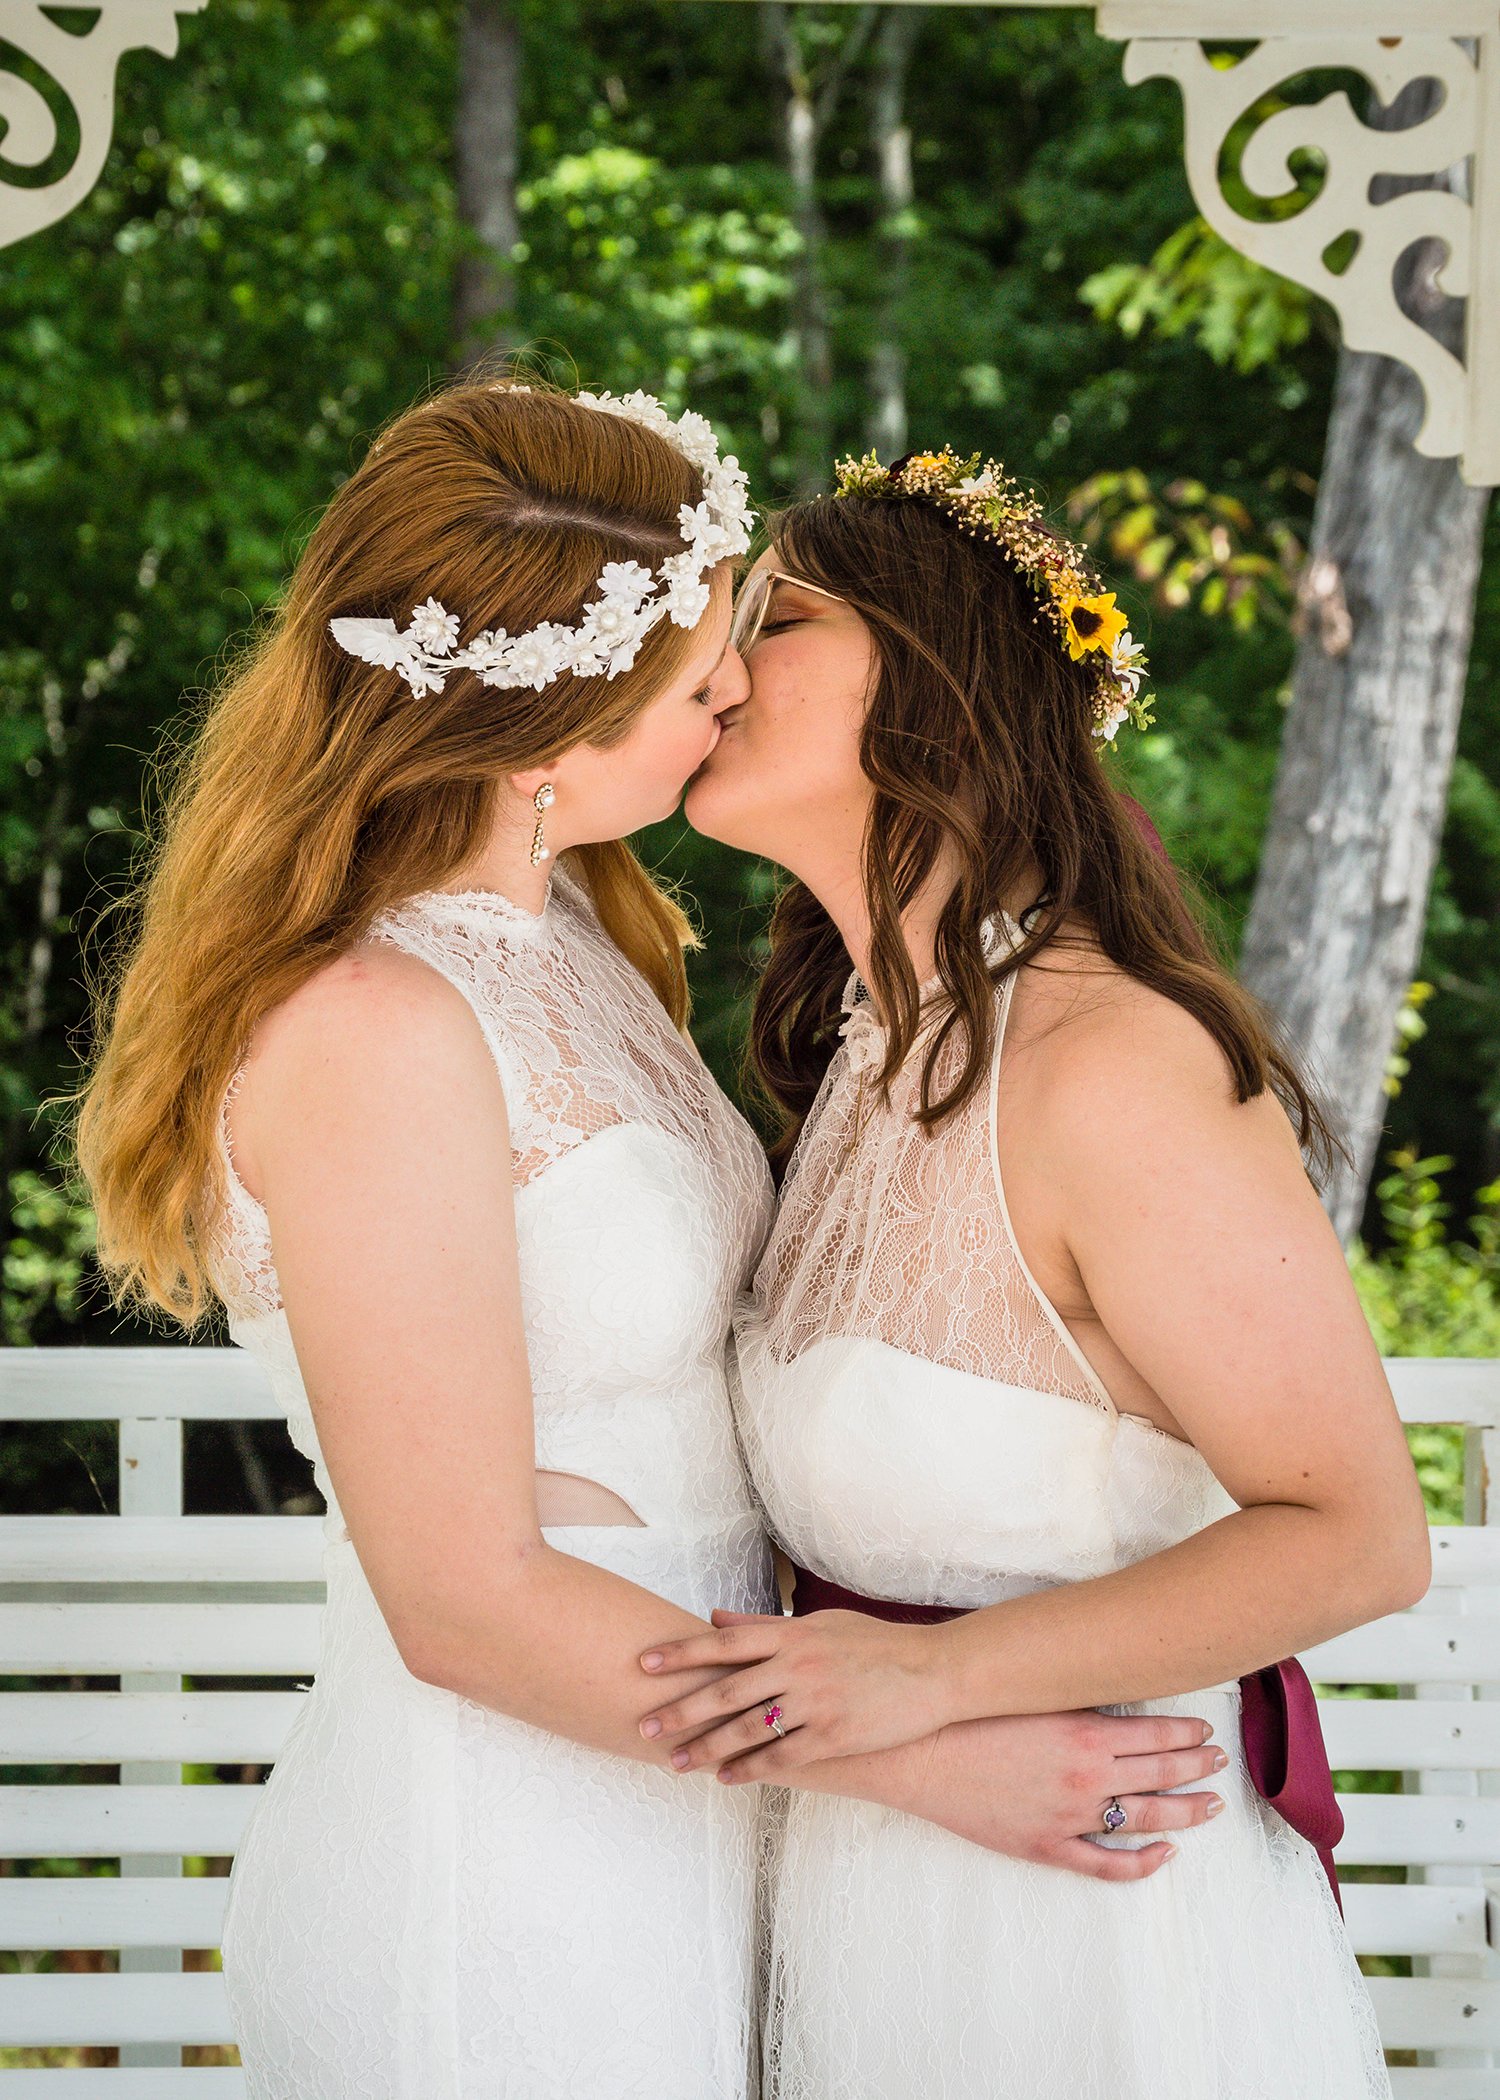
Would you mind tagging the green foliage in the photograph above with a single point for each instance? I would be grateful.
(193, 359)
(1191, 546)
(51, 1237)
(1196, 285)
(1425, 1294)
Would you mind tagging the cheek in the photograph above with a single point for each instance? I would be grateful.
(667, 750)
(800, 736)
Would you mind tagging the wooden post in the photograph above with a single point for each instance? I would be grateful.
(150, 1486)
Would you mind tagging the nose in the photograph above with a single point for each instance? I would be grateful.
(732, 684)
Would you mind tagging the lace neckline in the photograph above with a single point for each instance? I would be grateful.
(493, 906)
(999, 933)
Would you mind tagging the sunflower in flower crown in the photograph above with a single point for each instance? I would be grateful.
(987, 501)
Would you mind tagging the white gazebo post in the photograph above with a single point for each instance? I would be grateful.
(83, 64)
(1392, 43)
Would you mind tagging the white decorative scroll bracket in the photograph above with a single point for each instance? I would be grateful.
(83, 64)
(1461, 133)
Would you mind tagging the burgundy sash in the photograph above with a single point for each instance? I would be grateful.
(1283, 1742)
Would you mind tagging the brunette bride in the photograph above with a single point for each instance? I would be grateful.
(1052, 1349)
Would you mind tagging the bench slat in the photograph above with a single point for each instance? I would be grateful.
(111, 1822)
(1418, 1829)
(1445, 1389)
(1413, 2013)
(1432, 2085)
(161, 1549)
(75, 2011)
(203, 1640)
(214, 1639)
(1428, 2012)
(1464, 1553)
(231, 1549)
(212, 2082)
(1385, 1920)
(48, 1911)
(216, 1383)
(109, 1385)
(94, 1911)
(1411, 1648)
(1411, 1735)
(111, 1728)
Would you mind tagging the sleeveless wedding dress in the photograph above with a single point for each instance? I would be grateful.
(434, 1901)
(920, 1425)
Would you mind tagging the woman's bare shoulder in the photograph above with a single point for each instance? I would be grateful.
(1110, 1054)
(373, 1026)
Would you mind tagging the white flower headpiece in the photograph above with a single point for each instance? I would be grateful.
(632, 598)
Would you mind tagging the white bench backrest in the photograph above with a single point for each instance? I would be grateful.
(152, 1596)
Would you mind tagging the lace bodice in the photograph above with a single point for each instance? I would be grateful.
(641, 1199)
(918, 1420)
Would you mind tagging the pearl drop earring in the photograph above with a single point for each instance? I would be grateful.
(542, 800)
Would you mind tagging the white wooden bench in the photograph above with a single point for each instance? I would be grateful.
(152, 1596)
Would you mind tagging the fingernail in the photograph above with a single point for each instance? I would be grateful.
(1207, 1731)
(679, 1758)
(1171, 1851)
(651, 1727)
(728, 1775)
(1215, 1804)
(651, 1660)
(1220, 1761)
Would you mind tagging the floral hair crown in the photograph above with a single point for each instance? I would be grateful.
(986, 500)
(632, 598)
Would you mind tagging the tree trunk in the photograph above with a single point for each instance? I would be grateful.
(486, 133)
(1387, 614)
(891, 138)
(52, 843)
(806, 112)
(814, 434)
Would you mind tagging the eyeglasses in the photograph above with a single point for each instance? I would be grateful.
(754, 600)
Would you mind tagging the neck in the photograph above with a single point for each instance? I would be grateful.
(839, 888)
(505, 866)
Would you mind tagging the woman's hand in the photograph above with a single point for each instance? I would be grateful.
(845, 1683)
(1035, 1786)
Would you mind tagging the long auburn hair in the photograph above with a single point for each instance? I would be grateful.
(977, 739)
(317, 790)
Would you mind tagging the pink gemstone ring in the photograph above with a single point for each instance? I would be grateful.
(773, 1719)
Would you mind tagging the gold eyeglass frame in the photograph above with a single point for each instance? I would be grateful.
(745, 624)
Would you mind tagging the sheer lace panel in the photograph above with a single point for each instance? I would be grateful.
(581, 1043)
(893, 1235)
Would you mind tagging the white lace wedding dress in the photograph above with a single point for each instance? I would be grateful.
(434, 1901)
(920, 1425)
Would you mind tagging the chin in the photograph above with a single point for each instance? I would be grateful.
(698, 807)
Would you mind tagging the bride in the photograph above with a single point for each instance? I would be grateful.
(1052, 1349)
(396, 1069)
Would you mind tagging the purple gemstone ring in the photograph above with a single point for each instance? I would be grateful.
(773, 1718)
(1114, 1816)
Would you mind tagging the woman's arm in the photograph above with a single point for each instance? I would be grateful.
(1210, 1263)
(1031, 1785)
(377, 1128)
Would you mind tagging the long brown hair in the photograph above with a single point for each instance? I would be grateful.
(977, 740)
(318, 790)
